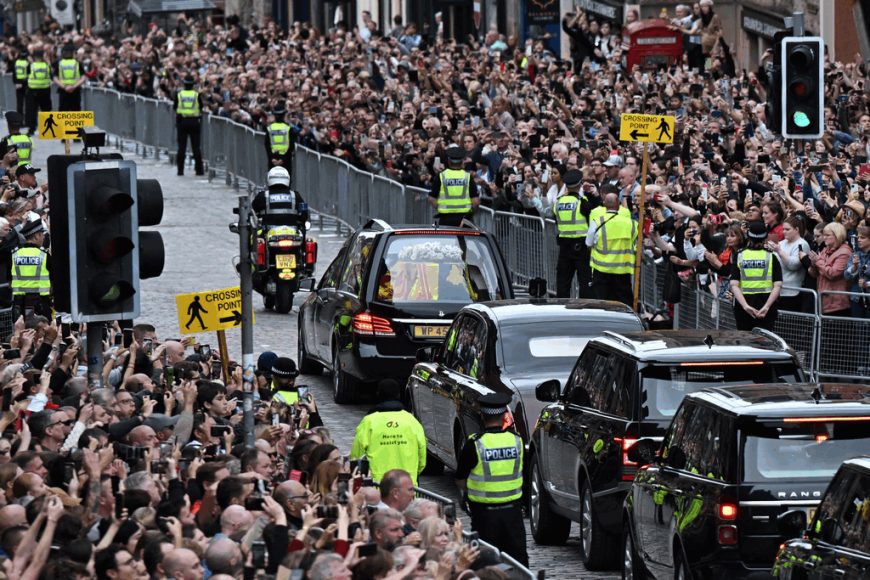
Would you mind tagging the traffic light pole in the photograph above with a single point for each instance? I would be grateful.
(246, 287)
(94, 350)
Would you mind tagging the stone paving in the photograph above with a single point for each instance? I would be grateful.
(199, 256)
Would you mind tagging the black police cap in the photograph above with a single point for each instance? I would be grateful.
(456, 154)
(15, 118)
(494, 404)
(285, 368)
(188, 80)
(573, 178)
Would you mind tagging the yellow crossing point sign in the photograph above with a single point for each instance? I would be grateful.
(210, 310)
(649, 128)
(63, 124)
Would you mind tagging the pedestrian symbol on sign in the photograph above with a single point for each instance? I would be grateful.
(664, 129)
(194, 309)
(50, 124)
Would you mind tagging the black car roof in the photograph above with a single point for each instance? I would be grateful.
(862, 462)
(698, 345)
(553, 309)
(382, 226)
(789, 400)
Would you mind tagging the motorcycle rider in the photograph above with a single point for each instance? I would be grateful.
(281, 198)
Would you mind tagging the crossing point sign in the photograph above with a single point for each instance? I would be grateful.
(649, 128)
(210, 310)
(63, 124)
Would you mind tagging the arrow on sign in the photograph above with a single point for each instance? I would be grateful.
(235, 318)
(635, 134)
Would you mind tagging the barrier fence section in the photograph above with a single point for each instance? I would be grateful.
(844, 342)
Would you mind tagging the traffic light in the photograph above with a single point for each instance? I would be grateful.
(101, 253)
(803, 89)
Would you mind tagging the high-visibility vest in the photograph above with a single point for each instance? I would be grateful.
(188, 103)
(498, 475)
(391, 440)
(40, 75)
(601, 210)
(756, 271)
(69, 71)
(30, 272)
(279, 137)
(613, 252)
(569, 220)
(25, 147)
(454, 196)
(288, 398)
(21, 69)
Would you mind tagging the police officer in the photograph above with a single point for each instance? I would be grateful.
(611, 238)
(280, 197)
(15, 121)
(390, 437)
(38, 89)
(756, 283)
(280, 140)
(20, 70)
(69, 78)
(31, 286)
(188, 108)
(284, 389)
(490, 472)
(453, 195)
(571, 211)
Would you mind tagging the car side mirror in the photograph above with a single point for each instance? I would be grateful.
(676, 458)
(832, 531)
(548, 391)
(792, 524)
(306, 285)
(426, 354)
(643, 451)
(234, 227)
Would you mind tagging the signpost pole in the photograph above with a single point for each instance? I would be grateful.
(66, 146)
(225, 357)
(94, 346)
(640, 222)
(246, 288)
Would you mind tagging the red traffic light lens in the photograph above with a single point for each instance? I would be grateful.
(800, 88)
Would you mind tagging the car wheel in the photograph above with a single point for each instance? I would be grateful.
(681, 569)
(306, 365)
(268, 302)
(631, 570)
(548, 527)
(284, 298)
(597, 547)
(343, 385)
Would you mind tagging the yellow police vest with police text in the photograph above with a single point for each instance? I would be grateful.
(40, 76)
(279, 137)
(25, 147)
(454, 196)
(569, 220)
(30, 272)
(21, 69)
(188, 103)
(69, 71)
(498, 475)
(756, 271)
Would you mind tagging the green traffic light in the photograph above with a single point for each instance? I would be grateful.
(801, 119)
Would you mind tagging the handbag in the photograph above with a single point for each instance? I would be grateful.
(672, 292)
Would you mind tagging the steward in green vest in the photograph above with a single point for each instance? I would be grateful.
(31, 286)
(188, 116)
(390, 437)
(571, 212)
(285, 391)
(489, 471)
(454, 193)
(612, 238)
(38, 90)
(280, 140)
(756, 283)
(69, 78)
(23, 143)
(20, 73)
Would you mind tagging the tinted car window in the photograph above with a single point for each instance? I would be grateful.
(780, 451)
(590, 392)
(854, 517)
(676, 437)
(330, 277)
(428, 268)
(468, 346)
(664, 386)
(351, 279)
(551, 347)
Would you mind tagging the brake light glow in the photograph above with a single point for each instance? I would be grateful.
(823, 419)
(722, 364)
(310, 251)
(286, 243)
(821, 438)
(727, 535)
(727, 511)
(261, 252)
(369, 325)
(629, 467)
(437, 232)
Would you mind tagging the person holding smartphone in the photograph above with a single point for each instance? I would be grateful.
(285, 390)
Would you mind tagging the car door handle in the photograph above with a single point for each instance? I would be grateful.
(838, 573)
(809, 565)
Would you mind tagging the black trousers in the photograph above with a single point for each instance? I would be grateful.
(574, 259)
(41, 305)
(452, 219)
(607, 286)
(744, 321)
(37, 100)
(286, 163)
(503, 527)
(20, 95)
(187, 128)
(69, 101)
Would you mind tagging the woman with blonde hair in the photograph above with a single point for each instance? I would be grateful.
(325, 478)
(435, 533)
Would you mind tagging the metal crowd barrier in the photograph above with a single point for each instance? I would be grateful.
(844, 351)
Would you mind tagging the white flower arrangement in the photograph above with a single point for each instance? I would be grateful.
(431, 252)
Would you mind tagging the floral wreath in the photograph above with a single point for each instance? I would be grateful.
(431, 252)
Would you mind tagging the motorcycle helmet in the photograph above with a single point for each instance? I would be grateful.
(278, 176)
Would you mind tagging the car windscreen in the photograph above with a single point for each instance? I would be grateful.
(456, 268)
(529, 347)
(664, 386)
(801, 447)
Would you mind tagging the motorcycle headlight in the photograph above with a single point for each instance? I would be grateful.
(307, 225)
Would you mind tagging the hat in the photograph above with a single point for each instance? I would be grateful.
(285, 368)
(160, 422)
(38, 52)
(188, 80)
(27, 168)
(494, 404)
(456, 154)
(14, 118)
(68, 47)
(388, 390)
(613, 161)
(265, 362)
(280, 108)
(857, 206)
(757, 230)
(31, 228)
(572, 179)
(22, 52)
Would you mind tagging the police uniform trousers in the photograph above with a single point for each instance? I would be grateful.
(452, 219)
(502, 526)
(69, 101)
(21, 302)
(37, 100)
(188, 127)
(609, 286)
(20, 95)
(573, 260)
(286, 162)
(745, 321)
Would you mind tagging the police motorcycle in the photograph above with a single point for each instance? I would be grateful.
(282, 255)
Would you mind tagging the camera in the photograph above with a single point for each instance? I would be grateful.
(130, 453)
(662, 227)
(326, 511)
